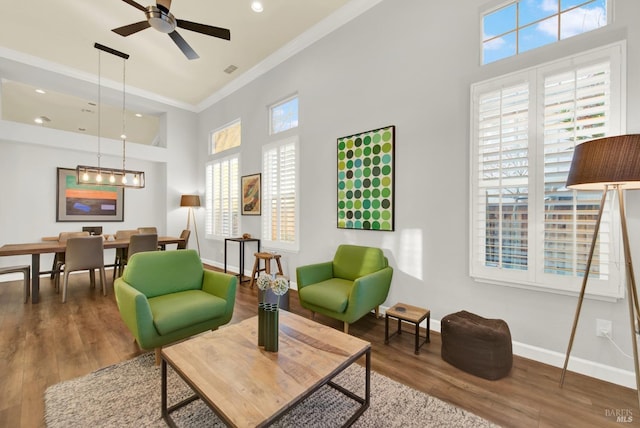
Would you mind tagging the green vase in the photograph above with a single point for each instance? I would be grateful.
(271, 328)
(261, 322)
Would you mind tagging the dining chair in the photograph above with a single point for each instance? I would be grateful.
(184, 235)
(58, 258)
(121, 253)
(139, 243)
(25, 270)
(84, 253)
(150, 229)
(181, 245)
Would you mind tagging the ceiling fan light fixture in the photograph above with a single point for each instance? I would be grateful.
(160, 20)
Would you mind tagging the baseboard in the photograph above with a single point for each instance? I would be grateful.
(577, 365)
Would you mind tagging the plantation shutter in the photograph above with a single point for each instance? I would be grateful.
(279, 217)
(576, 108)
(223, 197)
(503, 177)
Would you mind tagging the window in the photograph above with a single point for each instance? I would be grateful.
(522, 25)
(227, 137)
(222, 193)
(527, 227)
(280, 194)
(283, 115)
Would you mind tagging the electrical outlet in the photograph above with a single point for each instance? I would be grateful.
(603, 328)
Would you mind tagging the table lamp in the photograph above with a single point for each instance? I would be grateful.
(610, 163)
(191, 201)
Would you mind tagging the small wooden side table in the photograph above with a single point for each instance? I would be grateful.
(411, 314)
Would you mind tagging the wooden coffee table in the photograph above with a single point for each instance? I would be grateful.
(246, 386)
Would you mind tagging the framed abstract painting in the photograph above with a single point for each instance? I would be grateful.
(81, 202)
(366, 180)
(251, 197)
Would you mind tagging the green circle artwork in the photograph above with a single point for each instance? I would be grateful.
(365, 171)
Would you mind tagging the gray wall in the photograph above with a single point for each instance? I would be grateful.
(410, 64)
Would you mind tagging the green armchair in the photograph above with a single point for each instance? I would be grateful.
(347, 288)
(167, 296)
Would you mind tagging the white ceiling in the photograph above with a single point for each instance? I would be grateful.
(60, 34)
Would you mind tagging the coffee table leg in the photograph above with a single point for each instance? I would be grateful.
(165, 412)
(417, 338)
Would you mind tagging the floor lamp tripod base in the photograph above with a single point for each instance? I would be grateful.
(632, 293)
(195, 226)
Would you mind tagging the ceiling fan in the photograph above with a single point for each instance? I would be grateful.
(161, 19)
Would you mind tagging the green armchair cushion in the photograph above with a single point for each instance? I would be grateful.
(166, 296)
(352, 261)
(332, 294)
(176, 311)
(347, 288)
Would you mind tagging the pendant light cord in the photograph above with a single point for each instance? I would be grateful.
(124, 135)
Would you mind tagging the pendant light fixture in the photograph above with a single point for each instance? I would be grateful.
(99, 175)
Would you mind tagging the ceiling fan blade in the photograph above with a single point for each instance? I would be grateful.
(183, 45)
(221, 33)
(136, 5)
(128, 30)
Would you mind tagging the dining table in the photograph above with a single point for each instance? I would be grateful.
(49, 247)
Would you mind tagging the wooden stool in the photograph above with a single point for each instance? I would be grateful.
(26, 271)
(267, 257)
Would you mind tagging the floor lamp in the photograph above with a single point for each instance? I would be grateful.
(191, 201)
(611, 163)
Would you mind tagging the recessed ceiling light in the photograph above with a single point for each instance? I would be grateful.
(40, 91)
(138, 115)
(256, 6)
(41, 119)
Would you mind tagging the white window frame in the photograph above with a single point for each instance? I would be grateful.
(212, 144)
(275, 105)
(499, 5)
(267, 219)
(210, 232)
(534, 277)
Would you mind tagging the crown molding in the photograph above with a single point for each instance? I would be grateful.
(21, 58)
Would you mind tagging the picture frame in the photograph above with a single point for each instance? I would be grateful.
(86, 203)
(251, 188)
(366, 180)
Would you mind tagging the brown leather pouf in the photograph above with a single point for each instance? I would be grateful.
(477, 345)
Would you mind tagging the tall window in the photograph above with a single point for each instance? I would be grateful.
(522, 25)
(527, 227)
(280, 194)
(283, 115)
(222, 197)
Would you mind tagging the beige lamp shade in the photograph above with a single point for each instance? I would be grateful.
(190, 201)
(610, 160)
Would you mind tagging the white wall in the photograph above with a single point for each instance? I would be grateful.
(410, 64)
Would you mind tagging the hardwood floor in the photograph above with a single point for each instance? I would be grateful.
(49, 342)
